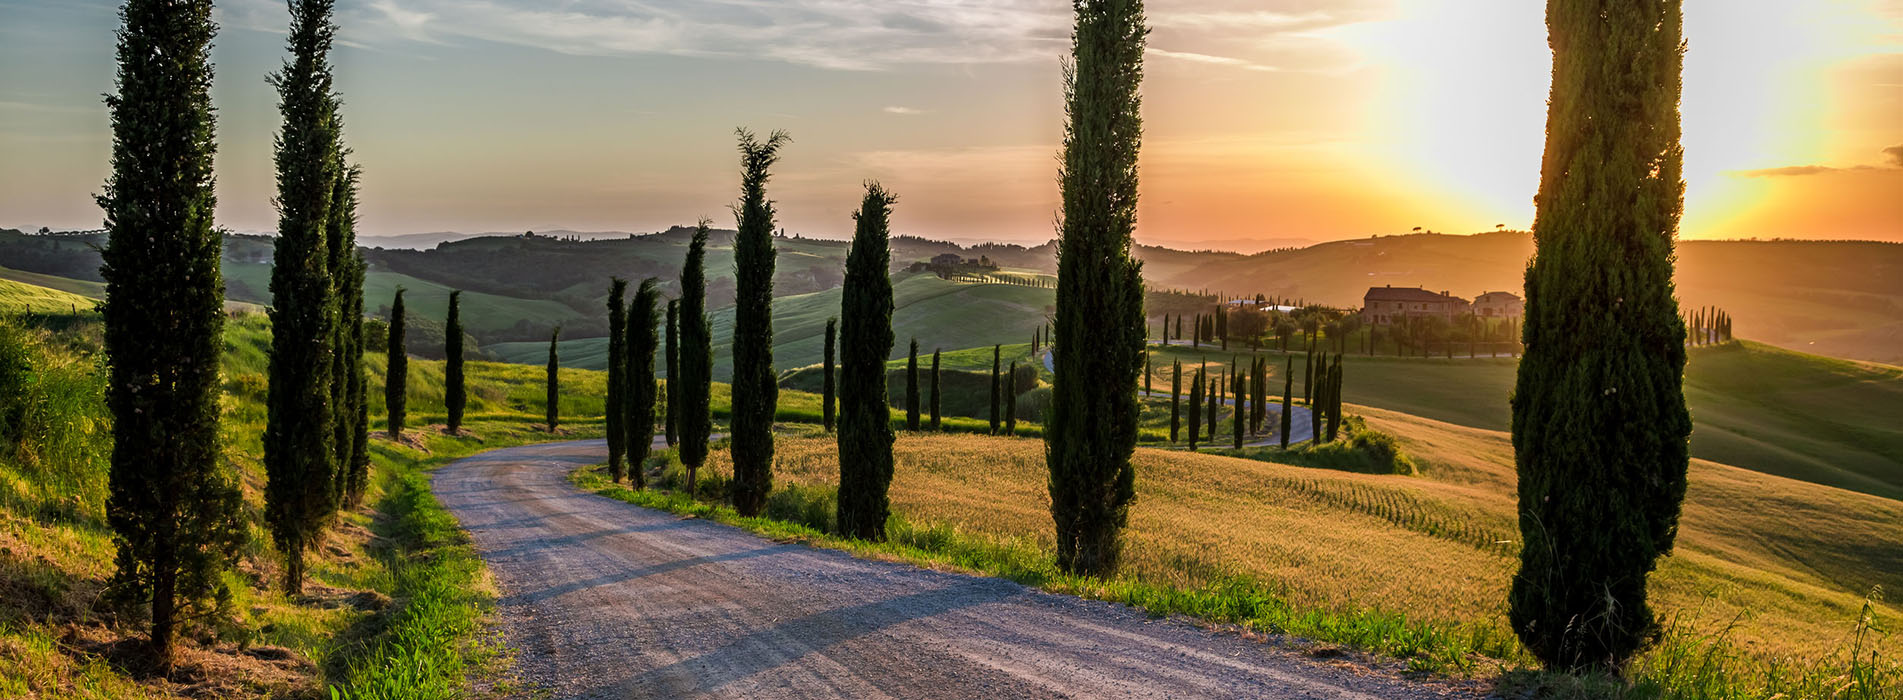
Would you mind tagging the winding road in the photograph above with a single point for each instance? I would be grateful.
(603, 599)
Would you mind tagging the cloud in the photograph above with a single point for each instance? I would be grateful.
(903, 111)
(1892, 155)
(855, 35)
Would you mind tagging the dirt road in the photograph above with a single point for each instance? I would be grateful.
(602, 599)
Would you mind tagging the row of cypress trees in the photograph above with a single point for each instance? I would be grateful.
(315, 456)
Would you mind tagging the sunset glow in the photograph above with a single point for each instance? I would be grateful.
(1292, 119)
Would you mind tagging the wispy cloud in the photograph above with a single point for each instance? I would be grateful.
(1892, 156)
(903, 111)
(832, 34)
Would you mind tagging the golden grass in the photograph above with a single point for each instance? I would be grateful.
(1790, 562)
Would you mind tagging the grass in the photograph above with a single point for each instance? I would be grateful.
(940, 314)
(395, 596)
(481, 312)
(1777, 411)
(24, 298)
(1414, 567)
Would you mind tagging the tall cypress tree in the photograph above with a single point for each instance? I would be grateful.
(1600, 428)
(755, 389)
(1176, 399)
(865, 417)
(347, 380)
(1318, 399)
(1288, 401)
(553, 404)
(911, 388)
(826, 380)
(173, 508)
(935, 395)
(1214, 396)
(1011, 401)
(299, 434)
(673, 371)
(455, 391)
(396, 374)
(1241, 408)
(695, 395)
(1195, 409)
(640, 397)
(995, 354)
(616, 405)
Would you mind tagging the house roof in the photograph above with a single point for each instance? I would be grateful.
(1407, 294)
(1498, 296)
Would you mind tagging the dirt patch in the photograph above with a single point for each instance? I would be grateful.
(221, 671)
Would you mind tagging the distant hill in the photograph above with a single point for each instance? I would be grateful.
(1843, 299)
(1839, 298)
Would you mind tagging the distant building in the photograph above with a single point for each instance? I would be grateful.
(947, 260)
(1499, 305)
(1382, 305)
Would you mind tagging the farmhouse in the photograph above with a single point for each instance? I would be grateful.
(1382, 305)
(1499, 305)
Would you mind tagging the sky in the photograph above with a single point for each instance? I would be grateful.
(1264, 119)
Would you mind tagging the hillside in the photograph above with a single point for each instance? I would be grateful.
(1838, 298)
(1438, 548)
(1754, 406)
(938, 313)
(24, 298)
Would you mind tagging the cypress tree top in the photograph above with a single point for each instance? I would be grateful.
(865, 334)
(755, 387)
(697, 355)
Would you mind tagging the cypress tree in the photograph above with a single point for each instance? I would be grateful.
(1195, 409)
(347, 378)
(1241, 408)
(935, 394)
(173, 507)
(554, 402)
(826, 381)
(640, 397)
(865, 417)
(1176, 399)
(911, 387)
(1215, 398)
(299, 436)
(994, 389)
(1288, 400)
(755, 389)
(1196, 332)
(695, 395)
(617, 423)
(1011, 401)
(396, 375)
(1091, 431)
(1308, 376)
(1600, 428)
(455, 394)
(674, 370)
(1318, 401)
(1146, 373)
(1334, 399)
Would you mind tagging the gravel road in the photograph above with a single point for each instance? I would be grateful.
(602, 599)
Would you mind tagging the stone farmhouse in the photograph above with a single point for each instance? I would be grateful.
(1383, 305)
(1499, 305)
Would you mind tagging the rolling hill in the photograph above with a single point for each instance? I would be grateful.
(1754, 406)
(938, 313)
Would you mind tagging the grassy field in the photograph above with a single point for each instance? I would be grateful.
(1412, 566)
(938, 313)
(25, 298)
(1755, 406)
(393, 606)
(84, 288)
(481, 312)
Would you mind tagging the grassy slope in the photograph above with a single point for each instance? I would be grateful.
(52, 523)
(1755, 406)
(1437, 548)
(22, 297)
(938, 313)
(481, 312)
(84, 288)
